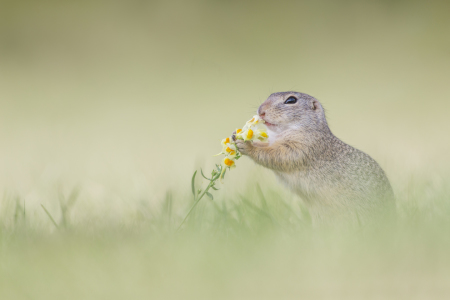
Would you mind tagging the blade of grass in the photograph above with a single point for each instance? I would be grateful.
(255, 208)
(73, 197)
(16, 210)
(263, 199)
(50, 216)
(66, 205)
(167, 208)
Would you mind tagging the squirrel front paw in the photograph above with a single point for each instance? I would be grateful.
(244, 147)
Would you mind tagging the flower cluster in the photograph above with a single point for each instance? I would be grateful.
(253, 130)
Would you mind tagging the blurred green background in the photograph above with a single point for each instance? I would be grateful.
(124, 99)
(131, 91)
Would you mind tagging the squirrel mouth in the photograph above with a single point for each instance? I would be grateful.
(267, 123)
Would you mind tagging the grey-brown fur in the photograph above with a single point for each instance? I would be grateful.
(336, 180)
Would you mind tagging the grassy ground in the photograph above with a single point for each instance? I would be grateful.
(108, 107)
(256, 245)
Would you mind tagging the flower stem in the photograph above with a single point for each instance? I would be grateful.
(195, 203)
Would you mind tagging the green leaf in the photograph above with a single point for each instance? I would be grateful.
(201, 171)
(214, 188)
(210, 196)
(193, 183)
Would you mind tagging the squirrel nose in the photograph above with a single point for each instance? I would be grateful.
(261, 112)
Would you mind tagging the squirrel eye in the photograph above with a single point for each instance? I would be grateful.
(290, 100)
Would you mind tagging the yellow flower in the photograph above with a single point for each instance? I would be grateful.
(261, 134)
(229, 162)
(228, 148)
(239, 134)
(247, 134)
(253, 129)
(254, 121)
(226, 141)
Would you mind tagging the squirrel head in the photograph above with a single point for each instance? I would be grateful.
(293, 111)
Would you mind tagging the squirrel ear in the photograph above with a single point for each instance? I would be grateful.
(314, 104)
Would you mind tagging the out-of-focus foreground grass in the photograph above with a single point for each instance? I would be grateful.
(116, 103)
(257, 245)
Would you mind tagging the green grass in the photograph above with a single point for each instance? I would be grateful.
(256, 245)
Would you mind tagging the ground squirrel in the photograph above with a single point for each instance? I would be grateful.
(335, 180)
